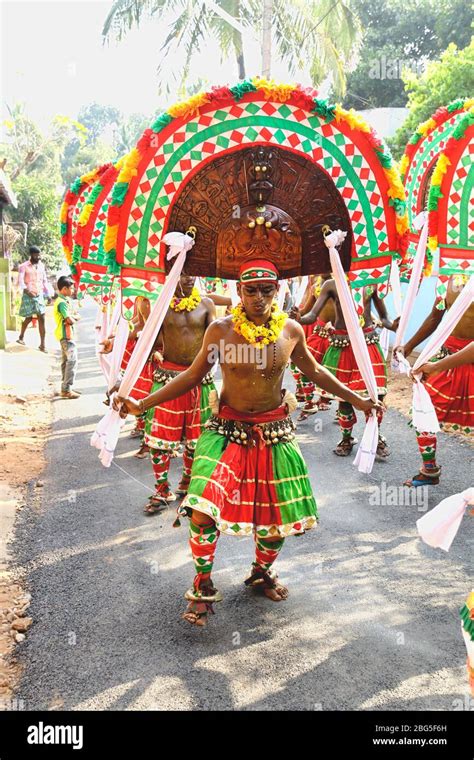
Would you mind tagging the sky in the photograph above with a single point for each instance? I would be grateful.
(53, 59)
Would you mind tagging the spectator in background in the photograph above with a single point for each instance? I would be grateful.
(34, 285)
(64, 332)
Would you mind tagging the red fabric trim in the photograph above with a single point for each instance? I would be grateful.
(171, 365)
(228, 413)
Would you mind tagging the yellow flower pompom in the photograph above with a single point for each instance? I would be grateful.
(110, 237)
(189, 107)
(441, 169)
(85, 214)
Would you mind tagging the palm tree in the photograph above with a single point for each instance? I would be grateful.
(322, 36)
(193, 24)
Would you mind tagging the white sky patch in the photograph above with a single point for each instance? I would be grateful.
(53, 59)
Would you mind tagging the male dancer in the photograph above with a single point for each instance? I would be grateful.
(180, 419)
(317, 338)
(452, 387)
(248, 476)
(34, 285)
(340, 360)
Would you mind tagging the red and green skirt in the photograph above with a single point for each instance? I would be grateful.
(318, 341)
(340, 360)
(180, 420)
(452, 392)
(261, 486)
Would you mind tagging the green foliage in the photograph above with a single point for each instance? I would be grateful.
(396, 39)
(38, 206)
(320, 34)
(96, 118)
(33, 164)
(85, 159)
(443, 81)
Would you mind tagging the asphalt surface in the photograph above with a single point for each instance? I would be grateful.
(372, 617)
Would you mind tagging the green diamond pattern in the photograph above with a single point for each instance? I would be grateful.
(352, 205)
(221, 115)
(152, 173)
(307, 146)
(357, 161)
(370, 185)
(134, 227)
(339, 139)
(222, 141)
(192, 126)
(252, 108)
(140, 200)
(251, 133)
(377, 211)
(195, 155)
(155, 226)
(279, 136)
(176, 176)
(168, 148)
(358, 228)
(284, 111)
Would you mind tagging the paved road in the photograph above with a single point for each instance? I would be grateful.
(371, 621)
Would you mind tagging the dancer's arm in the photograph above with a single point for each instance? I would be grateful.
(181, 384)
(323, 378)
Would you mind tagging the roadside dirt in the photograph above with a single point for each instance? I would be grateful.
(25, 417)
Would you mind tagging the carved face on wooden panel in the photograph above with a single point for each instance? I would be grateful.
(260, 202)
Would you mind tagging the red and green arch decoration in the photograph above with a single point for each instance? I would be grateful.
(88, 256)
(73, 202)
(254, 112)
(451, 206)
(417, 165)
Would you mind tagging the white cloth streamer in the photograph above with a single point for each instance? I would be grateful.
(234, 296)
(367, 450)
(101, 333)
(424, 415)
(412, 291)
(438, 527)
(282, 291)
(108, 430)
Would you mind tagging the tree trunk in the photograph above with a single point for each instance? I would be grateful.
(267, 37)
(241, 65)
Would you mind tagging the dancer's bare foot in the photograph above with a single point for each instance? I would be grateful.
(200, 603)
(277, 594)
(196, 614)
(267, 581)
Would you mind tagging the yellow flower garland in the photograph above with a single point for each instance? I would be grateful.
(186, 303)
(258, 335)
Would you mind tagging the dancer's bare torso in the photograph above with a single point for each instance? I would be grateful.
(181, 335)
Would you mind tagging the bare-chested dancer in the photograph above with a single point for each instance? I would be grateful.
(317, 338)
(180, 419)
(340, 360)
(248, 476)
(451, 388)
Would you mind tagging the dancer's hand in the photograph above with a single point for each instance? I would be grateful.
(395, 324)
(399, 349)
(295, 313)
(126, 406)
(426, 370)
(108, 345)
(157, 357)
(366, 405)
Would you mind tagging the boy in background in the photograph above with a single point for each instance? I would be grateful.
(64, 332)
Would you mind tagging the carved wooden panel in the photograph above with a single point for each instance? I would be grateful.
(264, 202)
